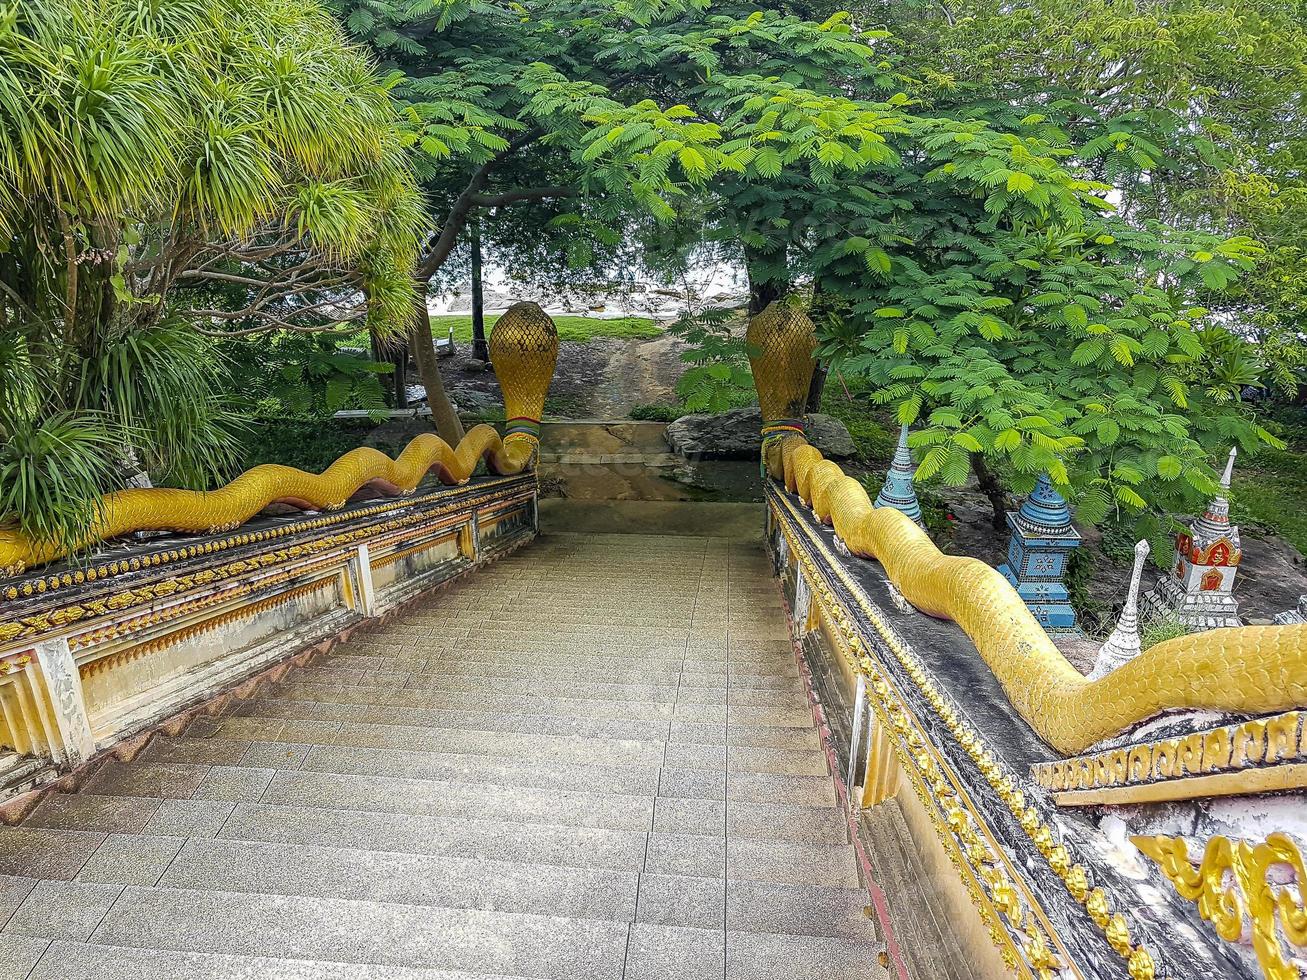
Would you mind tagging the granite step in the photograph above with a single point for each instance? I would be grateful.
(438, 881)
(348, 931)
(394, 935)
(755, 906)
(376, 793)
(542, 774)
(696, 854)
(636, 689)
(282, 724)
(487, 661)
(62, 960)
(658, 675)
(695, 707)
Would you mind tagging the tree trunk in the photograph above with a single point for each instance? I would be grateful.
(815, 388)
(395, 353)
(424, 351)
(480, 349)
(993, 489)
(764, 288)
(818, 383)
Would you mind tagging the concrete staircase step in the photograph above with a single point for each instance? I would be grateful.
(85, 961)
(697, 902)
(45, 853)
(456, 837)
(485, 720)
(305, 721)
(581, 765)
(403, 878)
(669, 673)
(382, 794)
(521, 697)
(377, 933)
(758, 821)
(566, 749)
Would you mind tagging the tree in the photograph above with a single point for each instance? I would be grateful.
(606, 112)
(834, 163)
(1196, 113)
(171, 172)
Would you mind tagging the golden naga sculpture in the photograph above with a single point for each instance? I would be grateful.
(1246, 670)
(523, 349)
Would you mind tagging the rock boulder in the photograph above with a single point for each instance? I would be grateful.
(736, 434)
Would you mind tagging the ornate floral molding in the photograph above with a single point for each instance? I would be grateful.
(106, 604)
(1233, 890)
(1256, 756)
(1020, 933)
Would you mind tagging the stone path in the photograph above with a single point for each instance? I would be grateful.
(594, 759)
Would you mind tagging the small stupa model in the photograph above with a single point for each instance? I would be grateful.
(1199, 589)
(1124, 644)
(897, 491)
(1042, 542)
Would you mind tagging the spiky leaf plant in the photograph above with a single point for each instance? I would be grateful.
(170, 171)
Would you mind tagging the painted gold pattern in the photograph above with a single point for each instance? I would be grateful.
(1233, 759)
(55, 619)
(247, 611)
(524, 345)
(1251, 903)
(1245, 670)
(400, 555)
(1140, 962)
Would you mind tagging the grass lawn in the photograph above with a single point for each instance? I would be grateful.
(575, 328)
(1271, 490)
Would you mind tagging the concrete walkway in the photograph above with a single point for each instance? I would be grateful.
(594, 759)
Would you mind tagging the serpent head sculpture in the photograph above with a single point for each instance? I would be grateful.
(1245, 670)
(524, 348)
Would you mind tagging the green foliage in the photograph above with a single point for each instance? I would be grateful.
(575, 329)
(1160, 629)
(51, 472)
(170, 170)
(1196, 113)
(719, 377)
(1271, 491)
(306, 375)
(872, 438)
(657, 413)
(311, 444)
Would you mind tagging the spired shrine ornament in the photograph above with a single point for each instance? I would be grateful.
(1041, 545)
(1199, 588)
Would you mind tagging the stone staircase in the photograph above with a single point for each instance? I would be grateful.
(594, 759)
(625, 460)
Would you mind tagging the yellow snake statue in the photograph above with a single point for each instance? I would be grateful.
(1245, 670)
(523, 349)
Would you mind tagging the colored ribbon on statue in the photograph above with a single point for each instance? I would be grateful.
(523, 425)
(774, 430)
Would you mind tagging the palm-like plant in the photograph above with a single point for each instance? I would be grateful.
(171, 170)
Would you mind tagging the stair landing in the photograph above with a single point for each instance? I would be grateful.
(593, 760)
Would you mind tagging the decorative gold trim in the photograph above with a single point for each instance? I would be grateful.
(395, 556)
(1252, 897)
(1139, 961)
(524, 343)
(142, 562)
(1244, 670)
(1243, 757)
(196, 629)
(39, 623)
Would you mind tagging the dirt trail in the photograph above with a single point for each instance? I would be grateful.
(602, 379)
(641, 372)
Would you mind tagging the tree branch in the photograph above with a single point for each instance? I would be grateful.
(522, 194)
(458, 214)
